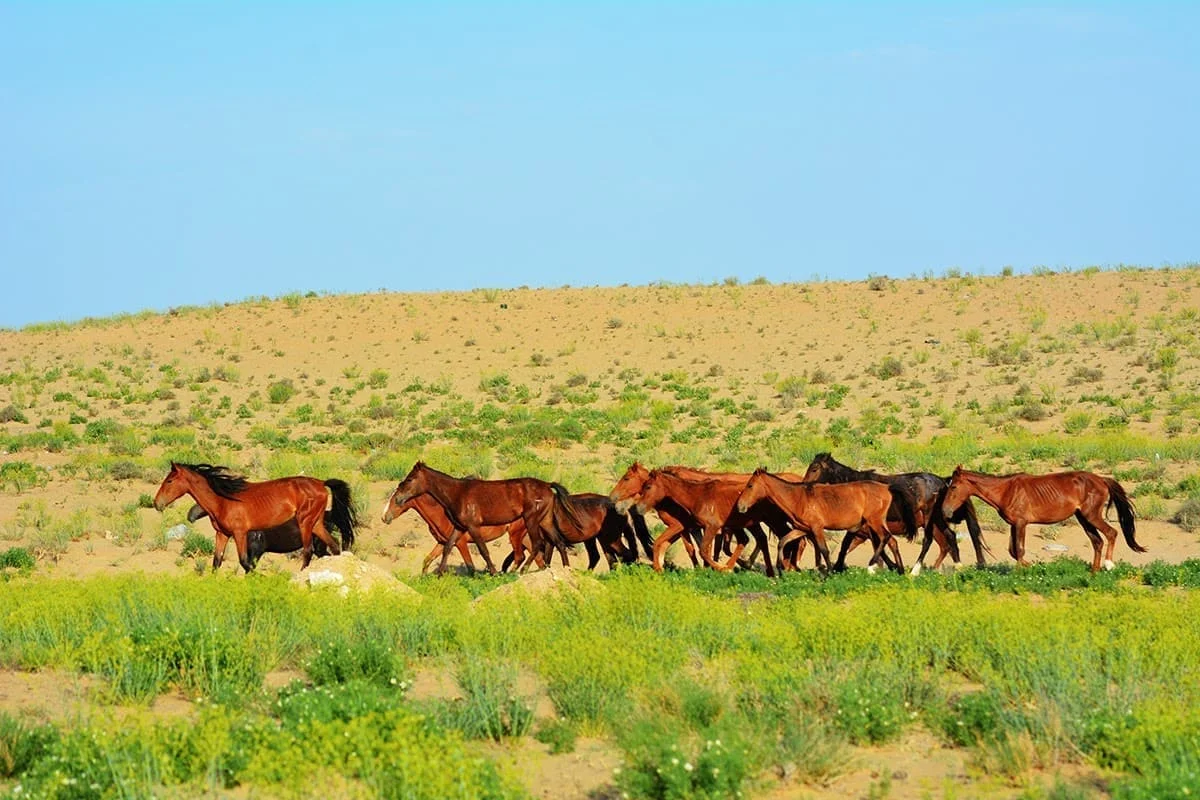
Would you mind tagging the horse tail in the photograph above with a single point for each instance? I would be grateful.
(643, 533)
(342, 515)
(1118, 498)
(902, 504)
(563, 504)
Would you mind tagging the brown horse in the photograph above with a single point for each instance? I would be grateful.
(922, 492)
(237, 506)
(680, 523)
(1022, 499)
(814, 508)
(283, 538)
(472, 504)
(597, 520)
(441, 527)
(709, 502)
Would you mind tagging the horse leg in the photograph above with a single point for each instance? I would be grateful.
(926, 541)
(451, 543)
(850, 540)
(481, 546)
(593, 553)
(243, 550)
(222, 541)
(321, 532)
(1100, 525)
(895, 548)
(760, 543)
(434, 553)
(664, 540)
(1094, 537)
(1018, 543)
(818, 534)
(464, 550)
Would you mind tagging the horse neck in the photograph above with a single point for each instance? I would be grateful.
(774, 487)
(987, 488)
(203, 494)
(442, 487)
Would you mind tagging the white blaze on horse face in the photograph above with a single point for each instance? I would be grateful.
(1108, 564)
(386, 505)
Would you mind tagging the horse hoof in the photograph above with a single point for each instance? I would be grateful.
(871, 569)
(1108, 565)
(916, 570)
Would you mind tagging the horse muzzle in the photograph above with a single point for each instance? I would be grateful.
(623, 505)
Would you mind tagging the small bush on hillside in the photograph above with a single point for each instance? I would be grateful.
(280, 392)
(1188, 515)
(11, 413)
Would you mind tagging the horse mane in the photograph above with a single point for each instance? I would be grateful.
(221, 480)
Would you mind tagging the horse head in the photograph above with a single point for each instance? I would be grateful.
(956, 492)
(414, 483)
(651, 493)
(629, 487)
(820, 466)
(752, 492)
(174, 486)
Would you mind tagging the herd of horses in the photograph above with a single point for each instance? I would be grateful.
(715, 514)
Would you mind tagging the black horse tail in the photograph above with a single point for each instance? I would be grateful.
(342, 515)
(643, 534)
(902, 504)
(1118, 498)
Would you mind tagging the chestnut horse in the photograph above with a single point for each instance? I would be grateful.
(471, 504)
(814, 508)
(1022, 499)
(237, 506)
(681, 523)
(923, 492)
(440, 527)
(709, 502)
(283, 538)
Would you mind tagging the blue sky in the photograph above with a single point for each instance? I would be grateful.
(161, 154)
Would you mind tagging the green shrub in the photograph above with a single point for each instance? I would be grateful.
(489, 707)
(195, 543)
(663, 762)
(558, 735)
(17, 558)
(22, 744)
(281, 391)
(21, 475)
(869, 709)
(359, 655)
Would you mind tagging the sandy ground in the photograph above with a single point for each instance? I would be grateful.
(960, 341)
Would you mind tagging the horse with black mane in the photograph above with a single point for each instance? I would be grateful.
(237, 506)
(923, 492)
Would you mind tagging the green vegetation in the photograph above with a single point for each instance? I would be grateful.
(708, 683)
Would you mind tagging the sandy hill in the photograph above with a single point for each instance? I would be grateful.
(1093, 368)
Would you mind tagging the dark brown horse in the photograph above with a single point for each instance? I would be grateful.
(472, 504)
(283, 538)
(923, 492)
(814, 508)
(237, 506)
(1022, 499)
(441, 527)
(597, 522)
